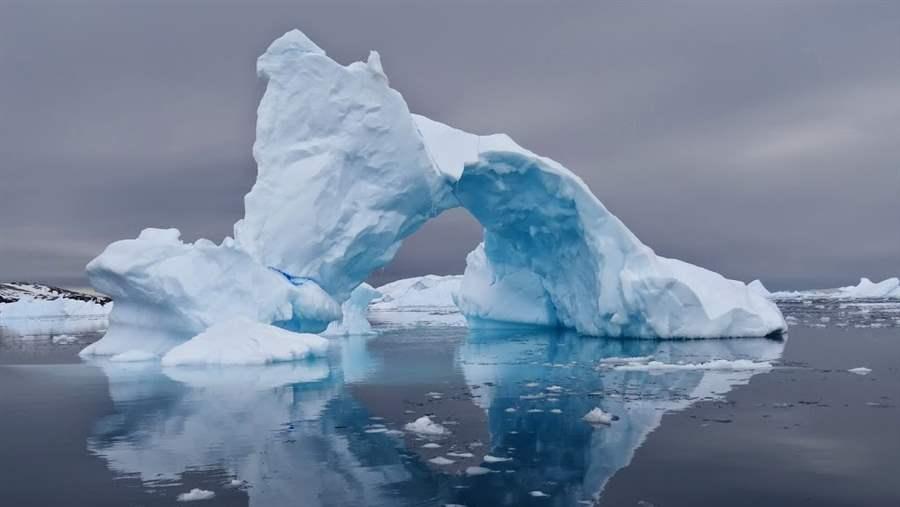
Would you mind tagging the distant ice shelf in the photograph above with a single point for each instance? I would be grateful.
(38, 309)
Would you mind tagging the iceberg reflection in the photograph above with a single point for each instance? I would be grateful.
(327, 432)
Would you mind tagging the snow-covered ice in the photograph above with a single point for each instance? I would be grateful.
(346, 173)
(243, 341)
(862, 370)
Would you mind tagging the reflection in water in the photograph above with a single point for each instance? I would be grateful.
(325, 432)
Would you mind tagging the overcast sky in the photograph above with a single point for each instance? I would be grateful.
(761, 140)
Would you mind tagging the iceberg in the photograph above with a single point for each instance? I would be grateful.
(866, 288)
(346, 172)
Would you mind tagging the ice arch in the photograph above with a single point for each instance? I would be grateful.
(346, 172)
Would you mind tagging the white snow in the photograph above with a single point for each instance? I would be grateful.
(431, 445)
(538, 494)
(494, 459)
(477, 471)
(425, 426)
(345, 173)
(862, 370)
(243, 341)
(598, 416)
(194, 495)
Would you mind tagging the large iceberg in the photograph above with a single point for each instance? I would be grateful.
(346, 172)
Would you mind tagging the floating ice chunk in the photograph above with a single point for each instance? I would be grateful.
(598, 416)
(862, 370)
(431, 445)
(556, 411)
(441, 461)
(554, 389)
(464, 455)
(716, 364)
(134, 356)
(354, 310)
(64, 339)
(194, 495)
(242, 341)
(477, 471)
(425, 426)
(235, 483)
(538, 494)
(510, 410)
(494, 459)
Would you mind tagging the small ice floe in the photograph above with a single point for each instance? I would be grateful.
(862, 370)
(134, 356)
(377, 429)
(556, 411)
(715, 364)
(464, 455)
(532, 396)
(393, 433)
(234, 483)
(194, 495)
(431, 445)
(532, 384)
(554, 389)
(510, 410)
(535, 410)
(441, 461)
(624, 360)
(435, 395)
(64, 339)
(538, 494)
(477, 471)
(598, 416)
(425, 426)
(494, 459)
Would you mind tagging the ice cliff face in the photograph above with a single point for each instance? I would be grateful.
(346, 173)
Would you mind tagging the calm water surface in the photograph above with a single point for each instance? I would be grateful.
(330, 432)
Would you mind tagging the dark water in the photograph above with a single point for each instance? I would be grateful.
(329, 432)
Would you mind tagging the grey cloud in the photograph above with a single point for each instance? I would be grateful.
(756, 139)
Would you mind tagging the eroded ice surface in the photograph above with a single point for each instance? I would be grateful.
(346, 172)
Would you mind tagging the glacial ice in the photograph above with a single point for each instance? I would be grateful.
(346, 172)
